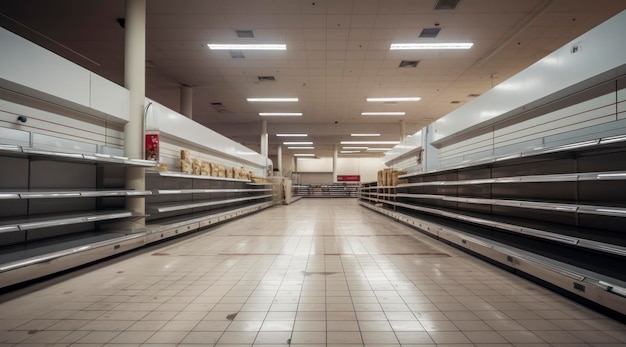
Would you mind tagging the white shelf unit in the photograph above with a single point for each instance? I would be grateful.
(50, 201)
(337, 190)
(177, 197)
(554, 214)
(62, 210)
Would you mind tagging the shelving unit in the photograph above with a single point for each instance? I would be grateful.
(327, 190)
(61, 210)
(182, 202)
(556, 214)
(55, 204)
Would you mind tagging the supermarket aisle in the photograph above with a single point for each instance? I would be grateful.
(321, 272)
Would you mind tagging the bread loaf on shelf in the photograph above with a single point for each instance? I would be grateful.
(205, 168)
(185, 166)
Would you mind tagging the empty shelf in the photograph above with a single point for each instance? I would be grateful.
(190, 205)
(184, 175)
(37, 222)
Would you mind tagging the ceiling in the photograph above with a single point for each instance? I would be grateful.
(337, 55)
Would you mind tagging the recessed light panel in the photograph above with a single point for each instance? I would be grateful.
(280, 114)
(383, 113)
(272, 99)
(298, 143)
(304, 147)
(399, 99)
(460, 45)
(246, 47)
(292, 135)
(379, 149)
(364, 135)
(370, 142)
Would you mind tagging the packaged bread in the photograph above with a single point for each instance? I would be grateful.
(185, 154)
(185, 166)
(235, 172)
(195, 167)
(162, 166)
(205, 168)
(221, 171)
(213, 169)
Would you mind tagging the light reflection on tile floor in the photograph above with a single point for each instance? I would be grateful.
(320, 272)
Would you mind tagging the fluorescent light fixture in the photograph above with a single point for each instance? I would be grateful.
(250, 46)
(379, 149)
(304, 155)
(280, 114)
(370, 142)
(349, 147)
(415, 98)
(292, 135)
(305, 147)
(364, 134)
(298, 143)
(383, 113)
(272, 99)
(460, 45)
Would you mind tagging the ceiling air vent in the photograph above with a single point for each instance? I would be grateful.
(408, 63)
(245, 34)
(266, 78)
(455, 102)
(218, 107)
(473, 95)
(236, 54)
(430, 32)
(446, 4)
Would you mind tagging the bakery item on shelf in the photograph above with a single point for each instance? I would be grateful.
(185, 166)
(205, 168)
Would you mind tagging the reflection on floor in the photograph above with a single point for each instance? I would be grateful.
(321, 272)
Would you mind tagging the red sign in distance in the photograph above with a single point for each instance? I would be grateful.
(348, 178)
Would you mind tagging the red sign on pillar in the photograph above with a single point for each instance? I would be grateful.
(152, 147)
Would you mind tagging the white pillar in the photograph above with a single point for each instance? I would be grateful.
(335, 164)
(186, 101)
(135, 82)
(279, 158)
(402, 130)
(264, 138)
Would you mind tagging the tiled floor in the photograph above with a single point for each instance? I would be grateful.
(320, 272)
